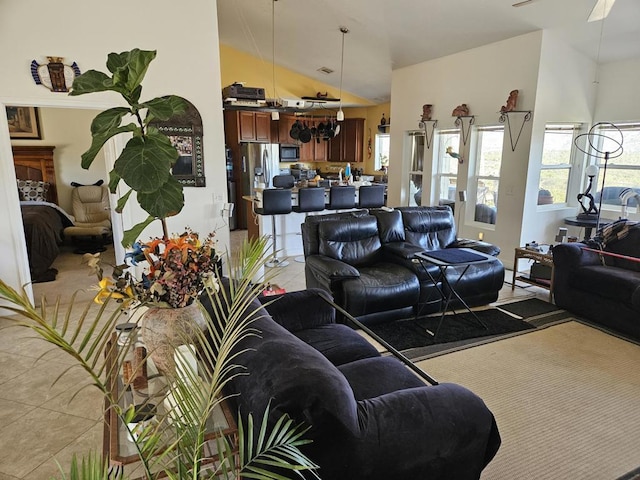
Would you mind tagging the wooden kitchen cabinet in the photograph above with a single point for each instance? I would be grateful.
(249, 126)
(284, 127)
(314, 151)
(348, 145)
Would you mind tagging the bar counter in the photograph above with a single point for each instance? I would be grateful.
(287, 226)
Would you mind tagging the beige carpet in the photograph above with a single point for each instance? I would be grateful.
(566, 399)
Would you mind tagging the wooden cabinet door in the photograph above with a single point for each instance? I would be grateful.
(284, 127)
(353, 139)
(247, 126)
(307, 151)
(320, 150)
(262, 126)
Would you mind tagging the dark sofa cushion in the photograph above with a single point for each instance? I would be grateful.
(390, 226)
(613, 283)
(431, 228)
(352, 240)
(284, 309)
(372, 377)
(380, 288)
(339, 343)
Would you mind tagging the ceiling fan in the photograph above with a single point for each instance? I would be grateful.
(599, 12)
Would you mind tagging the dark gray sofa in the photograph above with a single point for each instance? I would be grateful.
(371, 418)
(366, 261)
(602, 288)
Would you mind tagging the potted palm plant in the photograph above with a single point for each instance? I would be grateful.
(174, 443)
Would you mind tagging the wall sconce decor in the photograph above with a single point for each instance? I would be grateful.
(461, 112)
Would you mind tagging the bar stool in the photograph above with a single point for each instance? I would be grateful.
(310, 199)
(342, 197)
(275, 202)
(371, 196)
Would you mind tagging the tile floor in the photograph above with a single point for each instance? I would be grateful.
(41, 422)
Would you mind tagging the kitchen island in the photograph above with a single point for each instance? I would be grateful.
(288, 230)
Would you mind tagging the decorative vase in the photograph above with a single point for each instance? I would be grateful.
(163, 329)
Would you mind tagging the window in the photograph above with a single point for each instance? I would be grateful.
(555, 170)
(487, 180)
(623, 171)
(415, 172)
(447, 174)
(382, 150)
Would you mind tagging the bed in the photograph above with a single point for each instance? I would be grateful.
(43, 220)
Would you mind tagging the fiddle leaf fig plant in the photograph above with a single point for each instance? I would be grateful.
(145, 163)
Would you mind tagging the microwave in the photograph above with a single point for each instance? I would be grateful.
(289, 153)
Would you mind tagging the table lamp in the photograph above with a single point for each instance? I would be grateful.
(592, 211)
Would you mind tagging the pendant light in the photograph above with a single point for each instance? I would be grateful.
(274, 115)
(340, 114)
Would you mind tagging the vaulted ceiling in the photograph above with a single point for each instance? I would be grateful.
(389, 34)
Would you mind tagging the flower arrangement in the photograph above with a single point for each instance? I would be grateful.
(178, 269)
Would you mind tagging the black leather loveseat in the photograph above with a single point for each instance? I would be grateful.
(602, 288)
(370, 417)
(366, 260)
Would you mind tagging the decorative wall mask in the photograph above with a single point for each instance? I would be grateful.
(55, 75)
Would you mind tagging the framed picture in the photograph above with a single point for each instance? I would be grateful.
(185, 134)
(23, 123)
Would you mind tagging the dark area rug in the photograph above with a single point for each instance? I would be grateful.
(530, 307)
(411, 334)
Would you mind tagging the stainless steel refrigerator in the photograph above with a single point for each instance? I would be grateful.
(260, 162)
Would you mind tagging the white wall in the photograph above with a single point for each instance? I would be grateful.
(566, 93)
(187, 64)
(618, 98)
(482, 78)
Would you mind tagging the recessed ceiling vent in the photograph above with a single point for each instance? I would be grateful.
(325, 70)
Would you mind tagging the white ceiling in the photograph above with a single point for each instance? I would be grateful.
(388, 34)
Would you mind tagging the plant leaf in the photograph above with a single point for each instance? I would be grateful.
(166, 201)
(104, 126)
(163, 108)
(114, 180)
(123, 200)
(91, 81)
(129, 69)
(145, 162)
(130, 236)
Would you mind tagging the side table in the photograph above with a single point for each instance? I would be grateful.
(119, 450)
(446, 287)
(543, 258)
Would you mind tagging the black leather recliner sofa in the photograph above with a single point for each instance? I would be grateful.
(366, 260)
(370, 417)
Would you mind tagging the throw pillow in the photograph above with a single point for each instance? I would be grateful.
(33, 190)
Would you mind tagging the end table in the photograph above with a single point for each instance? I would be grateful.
(540, 257)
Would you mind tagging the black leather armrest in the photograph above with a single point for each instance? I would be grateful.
(403, 250)
(330, 268)
(484, 247)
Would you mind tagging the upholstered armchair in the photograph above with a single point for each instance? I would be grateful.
(92, 224)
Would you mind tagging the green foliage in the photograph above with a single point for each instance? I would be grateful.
(175, 442)
(145, 163)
